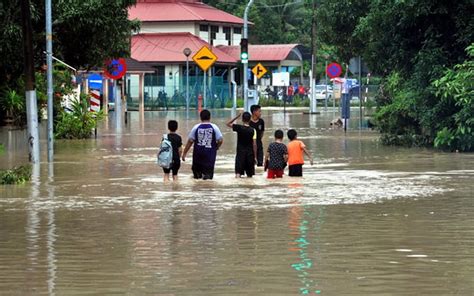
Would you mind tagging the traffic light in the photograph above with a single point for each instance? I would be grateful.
(244, 50)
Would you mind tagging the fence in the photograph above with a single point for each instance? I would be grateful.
(172, 94)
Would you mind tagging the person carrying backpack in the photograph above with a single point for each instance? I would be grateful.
(170, 152)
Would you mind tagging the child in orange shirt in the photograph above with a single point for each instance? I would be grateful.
(295, 155)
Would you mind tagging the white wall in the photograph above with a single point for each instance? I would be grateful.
(236, 39)
(172, 27)
(204, 36)
(220, 38)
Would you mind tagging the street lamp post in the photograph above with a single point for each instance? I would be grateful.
(187, 53)
(245, 36)
(49, 62)
(326, 57)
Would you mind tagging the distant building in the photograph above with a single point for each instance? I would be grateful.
(170, 26)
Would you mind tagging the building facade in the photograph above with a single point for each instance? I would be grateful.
(170, 26)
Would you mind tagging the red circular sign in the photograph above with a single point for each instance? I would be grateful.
(334, 70)
(115, 69)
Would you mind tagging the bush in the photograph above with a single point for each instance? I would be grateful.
(17, 175)
(14, 105)
(229, 103)
(78, 124)
(456, 89)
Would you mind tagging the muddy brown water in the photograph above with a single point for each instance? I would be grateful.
(365, 219)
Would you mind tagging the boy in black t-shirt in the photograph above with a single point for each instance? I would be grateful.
(246, 146)
(176, 143)
(259, 125)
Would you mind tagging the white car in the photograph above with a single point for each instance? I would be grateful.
(321, 89)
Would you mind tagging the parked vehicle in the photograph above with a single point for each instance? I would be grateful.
(321, 90)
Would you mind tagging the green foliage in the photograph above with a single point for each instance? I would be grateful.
(410, 44)
(240, 103)
(2, 149)
(85, 33)
(17, 175)
(90, 31)
(456, 88)
(337, 21)
(78, 124)
(13, 104)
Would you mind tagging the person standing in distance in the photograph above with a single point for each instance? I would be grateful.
(246, 146)
(207, 138)
(259, 125)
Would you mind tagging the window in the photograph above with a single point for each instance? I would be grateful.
(237, 30)
(203, 28)
(227, 34)
(214, 30)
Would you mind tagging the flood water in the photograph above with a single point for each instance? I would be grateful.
(365, 219)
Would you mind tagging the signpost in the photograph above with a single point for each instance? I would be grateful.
(204, 58)
(116, 69)
(259, 70)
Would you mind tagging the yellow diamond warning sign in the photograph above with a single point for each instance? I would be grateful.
(259, 70)
(204, 58)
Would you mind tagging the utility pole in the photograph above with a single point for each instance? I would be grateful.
(30, 91)
(313, 76)
(49, 62)
(245, 37)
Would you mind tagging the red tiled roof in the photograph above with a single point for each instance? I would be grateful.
(168, 48)
(264, 52)
(180, 11)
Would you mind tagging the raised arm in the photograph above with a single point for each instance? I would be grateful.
(230, 122)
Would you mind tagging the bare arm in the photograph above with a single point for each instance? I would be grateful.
(254, 142)
(230, 122)
(186, 149)
(306, 151)
(219, 143)
(267, 155)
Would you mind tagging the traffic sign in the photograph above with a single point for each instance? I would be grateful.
(334, 70)
(115, 69)
(95, 81)
(204, 58)
(259, 70)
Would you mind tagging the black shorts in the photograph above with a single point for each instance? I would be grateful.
(202, 172)
(174, 168)
(245, 164)
(295, 170)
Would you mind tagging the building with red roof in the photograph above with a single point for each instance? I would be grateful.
(170, 26)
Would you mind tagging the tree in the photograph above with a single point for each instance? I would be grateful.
(85, 33)
(410, 43)
(456, 87)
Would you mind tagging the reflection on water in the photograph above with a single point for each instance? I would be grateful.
(365, 219)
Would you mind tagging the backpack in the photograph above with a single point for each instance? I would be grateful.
(165, 154)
